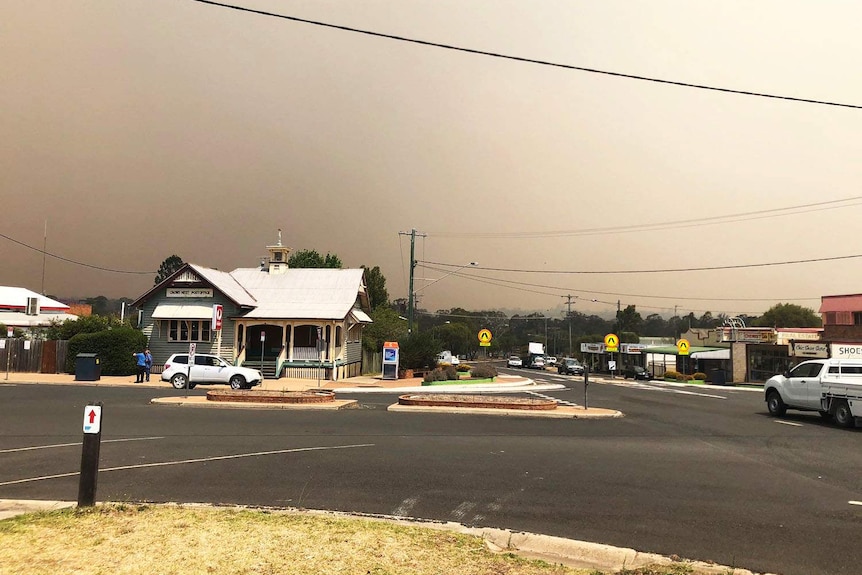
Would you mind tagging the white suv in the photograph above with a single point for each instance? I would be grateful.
(208, 369)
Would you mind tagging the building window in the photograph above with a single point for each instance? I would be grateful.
(857, 318)
(189, 330)
(831, 318)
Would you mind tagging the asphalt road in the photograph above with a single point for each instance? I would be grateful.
(703, 473)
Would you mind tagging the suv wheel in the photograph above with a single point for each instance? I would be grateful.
(179, 381)
(775, 404)
(237, 382)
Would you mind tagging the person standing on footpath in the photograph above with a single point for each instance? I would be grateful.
(141, 361)
(148, 363)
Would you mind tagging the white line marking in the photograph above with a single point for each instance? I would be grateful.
(788, 423)
(406, 507)
(184, 461)
(855, 502)
(74, 444)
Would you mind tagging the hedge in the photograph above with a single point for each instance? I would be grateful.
(114, 346)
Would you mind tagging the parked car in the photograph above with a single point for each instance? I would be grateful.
(636, 372)
(550, 360)
(208, 369)
(570, 366)
(538, 362)
(448, 357)
(514, 361)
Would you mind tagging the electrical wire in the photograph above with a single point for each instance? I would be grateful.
(527, 60)
(677, 224)
(77, 263)
(660, 271)
(619, 294)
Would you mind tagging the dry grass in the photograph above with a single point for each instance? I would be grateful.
(132, 539)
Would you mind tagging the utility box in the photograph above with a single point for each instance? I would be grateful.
(718, 376)
(87, 367)
(390, 360)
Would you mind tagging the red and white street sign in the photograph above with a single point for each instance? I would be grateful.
(93, 419)
(218, 310)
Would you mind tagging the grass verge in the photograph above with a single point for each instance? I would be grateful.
(171, 540)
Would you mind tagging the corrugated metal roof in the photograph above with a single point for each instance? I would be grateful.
(302, 293)
(225, 283)
(361, 316)
(841, 303)
(17, 297)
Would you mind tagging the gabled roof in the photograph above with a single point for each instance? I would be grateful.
(304, 293)
(222, 281)
(16, 297)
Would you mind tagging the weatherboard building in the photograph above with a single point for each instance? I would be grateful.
(301, 323)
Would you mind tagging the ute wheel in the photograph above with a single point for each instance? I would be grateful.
(843, 415)
(775, 404)
(179, 381)
(237, 382)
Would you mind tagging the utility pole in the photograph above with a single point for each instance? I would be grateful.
(410, 296)
(569, 316)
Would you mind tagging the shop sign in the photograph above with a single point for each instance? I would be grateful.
(846, 350)
(189, 292)
(592, 347)
(806, 349)
(632, 348)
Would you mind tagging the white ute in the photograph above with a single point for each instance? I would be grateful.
(829, 386)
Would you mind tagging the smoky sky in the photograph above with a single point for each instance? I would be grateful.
(141, 129)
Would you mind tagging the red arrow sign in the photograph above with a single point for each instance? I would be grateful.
(92, 416)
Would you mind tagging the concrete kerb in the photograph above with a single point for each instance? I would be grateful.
(201, 401)
(569, 552)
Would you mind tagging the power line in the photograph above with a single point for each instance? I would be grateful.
(527, 60)
(688, 223)
(643, 296)
(77, 263)
(661, 271)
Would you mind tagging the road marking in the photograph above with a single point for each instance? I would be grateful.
(184, 461)
(406, 507)
(559, 401)
(855, 502)
(636, 385)
(788, 423)
(74, 444)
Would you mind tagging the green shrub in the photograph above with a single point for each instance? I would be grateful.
(419, 351)
(670, 374)
(444, 372)
(114, 346)
(463, 368)
(684, 377)
(699, 375)
(483, 371)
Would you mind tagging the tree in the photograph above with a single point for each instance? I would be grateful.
(629, 320)
(788, 315)
(168, 267)
(387, 326)
(375, 283)
(312, 259)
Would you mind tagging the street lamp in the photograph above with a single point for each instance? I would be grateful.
(413, 292)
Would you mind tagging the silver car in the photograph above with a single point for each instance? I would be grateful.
(208, 369)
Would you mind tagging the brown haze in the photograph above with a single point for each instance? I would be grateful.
(142, 128)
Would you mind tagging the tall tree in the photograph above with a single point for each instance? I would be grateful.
(788, 315)
(629, 320)
(168, 267)
(313, 259)
(387, 326)
(375, 283)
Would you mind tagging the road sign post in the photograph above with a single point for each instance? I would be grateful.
(586, 385)
(90, 455)
(192, 349)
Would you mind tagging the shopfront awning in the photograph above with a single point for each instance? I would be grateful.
(174, 311)
(714, 354)
(692, 351)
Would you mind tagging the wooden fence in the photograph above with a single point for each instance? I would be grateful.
(35, 356)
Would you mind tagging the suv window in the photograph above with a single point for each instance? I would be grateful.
(181, 359)
(806, 370)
